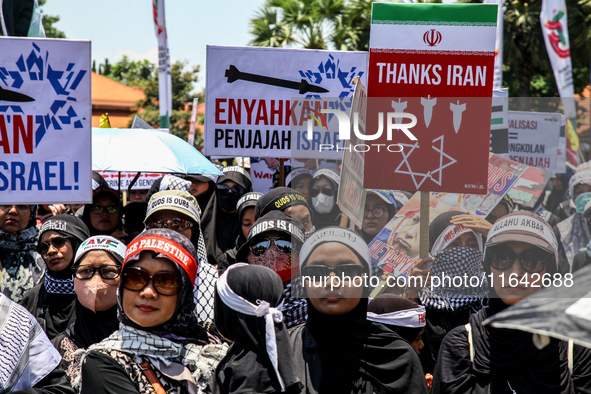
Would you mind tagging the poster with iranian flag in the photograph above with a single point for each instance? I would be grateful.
(436, 63)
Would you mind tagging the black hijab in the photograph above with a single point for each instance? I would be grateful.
(100, 192)
(247, 368)
(387, 303)
(220, 228)
(279, 199)
(182, 326)
(354, 350)
(249, 200)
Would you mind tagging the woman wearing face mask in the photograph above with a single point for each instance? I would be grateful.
(477, 358)
(53, 301)
(246, 218)
(573, 232)
(324, 188)
(274, 241)
(22, 268)
(220, 220)
(97, 269)
(159, 345)
(456, 251)
(248, 311)
(338, 350)
(289, 202)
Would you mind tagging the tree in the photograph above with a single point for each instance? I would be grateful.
(144, 74)
(48, 21)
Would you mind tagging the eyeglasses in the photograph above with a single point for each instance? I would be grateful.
(99, 210)
(531, 260)
(319, 272)
(176, 224)
(376, 212)
(234, 189)
(259, 246)
(165, 283)
(85, 272)
(57, 242)
(329, 191)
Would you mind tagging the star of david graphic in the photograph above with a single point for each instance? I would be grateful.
(430, 174)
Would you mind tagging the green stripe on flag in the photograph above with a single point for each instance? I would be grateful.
(495, 121)
(435, 14)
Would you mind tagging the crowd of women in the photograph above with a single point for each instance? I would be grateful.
(201, 285)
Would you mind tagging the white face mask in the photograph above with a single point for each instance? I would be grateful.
(322, 203)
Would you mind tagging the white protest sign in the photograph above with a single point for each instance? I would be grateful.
(249, 106)
(45, 121)
(533, 139)
(561, 162)
(144, 182)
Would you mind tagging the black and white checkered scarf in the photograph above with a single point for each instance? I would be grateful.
(295, 306)
(457, 262)
(58, 286)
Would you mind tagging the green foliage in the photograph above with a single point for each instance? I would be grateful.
(144, 75)
(48, 21)
(345, 25)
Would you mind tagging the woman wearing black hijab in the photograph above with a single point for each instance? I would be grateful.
(103, 216)
(480, 359)
(248, 305)
(289, 202)
(219, 222)
(245, 209)
(53, 301)
(338, 350)
(324, 189)
(97, 269)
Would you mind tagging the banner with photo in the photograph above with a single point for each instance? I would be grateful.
(45, 121)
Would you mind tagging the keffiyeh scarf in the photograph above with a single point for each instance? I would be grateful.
(295, 306)
(574, 235)
(463, 263)
(22, 267)
(200, 360)
(58, 286)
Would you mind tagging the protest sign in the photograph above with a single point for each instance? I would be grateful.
(144, 182)
(561, 159)
(499, 122)
(534, 138)
(434, 62)
(529, 187)
(250, 108)
(351, 198)
(45, 121)
(396, 248)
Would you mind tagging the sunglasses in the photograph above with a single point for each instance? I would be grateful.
(57, 242)
(165, 283)
(319, 272)
(259, 246)
(531, 260)
(234, 189)
(99, 210)
(176, 224)
(376, 212)
(85, 272)
(329, 191)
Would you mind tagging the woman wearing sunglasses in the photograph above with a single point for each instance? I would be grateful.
(324, 188)
(220, 221)
(103, 216)
(96, 270)
(159, 345)
(274, 241)
(21, 267)
(338, 350)
(53, 301)
(178, 210)
(520, 250)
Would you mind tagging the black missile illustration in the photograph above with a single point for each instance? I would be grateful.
(11, 95)
(233, 74)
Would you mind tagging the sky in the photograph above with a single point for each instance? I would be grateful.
(126, 27)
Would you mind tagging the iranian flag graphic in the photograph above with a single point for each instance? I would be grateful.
(436, 62)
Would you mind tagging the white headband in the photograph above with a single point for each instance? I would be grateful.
(235, 169)
(526, 224)
(263, 309)
(451, 233)
(414, 318)
(336, 234)
(330, 174)
(102, 242)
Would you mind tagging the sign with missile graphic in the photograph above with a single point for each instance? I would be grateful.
(436, 62)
